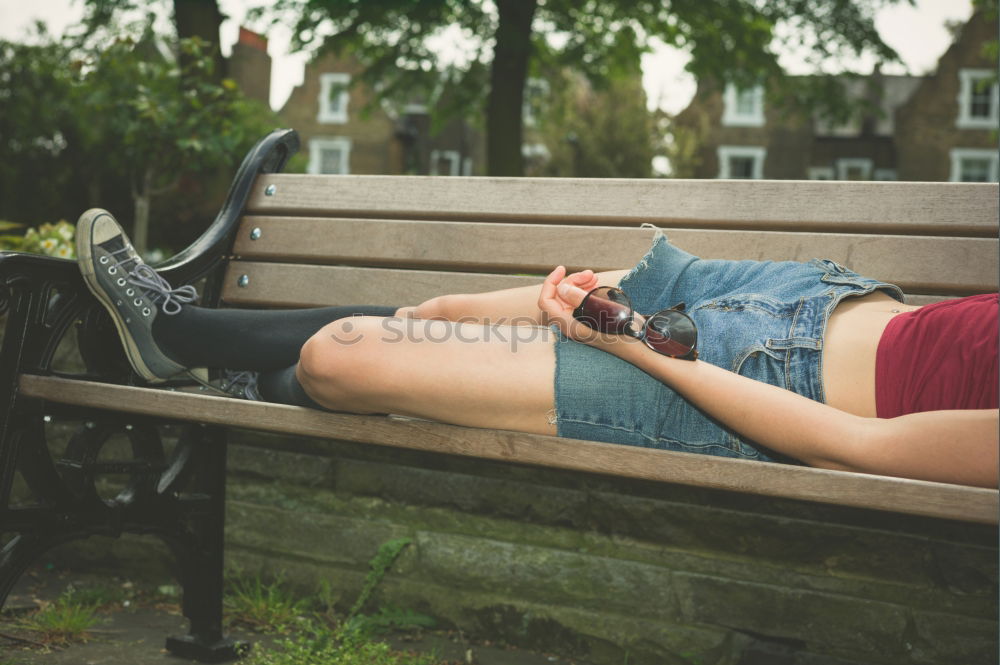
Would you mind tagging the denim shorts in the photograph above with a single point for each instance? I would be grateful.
(761, 319)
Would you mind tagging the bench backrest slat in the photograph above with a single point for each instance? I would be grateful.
(287, 285)
(874, 207)
(918, 264)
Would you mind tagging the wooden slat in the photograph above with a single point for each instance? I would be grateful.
(291, 285)
(919, 264)
(284, 285)
(850, 489)
(884, 207)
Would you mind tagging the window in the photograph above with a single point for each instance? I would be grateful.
(445, 162)
(743, 107)
(854, 169)
(536, 92)
(977, 99)
(333, 97)
(821, 173)
(330, 155)
(886, 174)
(537, 151)
(737, 161)
(973, 165)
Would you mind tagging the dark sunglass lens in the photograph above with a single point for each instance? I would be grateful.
(671, 333)
(606, 309)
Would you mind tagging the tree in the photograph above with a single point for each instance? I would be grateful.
(598, 133)
(736, 40)
(117, 115)
(192, 18)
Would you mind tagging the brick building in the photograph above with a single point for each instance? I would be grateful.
(344, 134)
(937, 127)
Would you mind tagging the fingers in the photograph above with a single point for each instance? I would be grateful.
(547, 296)
(571, 294)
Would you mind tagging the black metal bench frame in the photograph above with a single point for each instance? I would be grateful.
(180, 499)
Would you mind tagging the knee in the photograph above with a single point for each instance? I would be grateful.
(336, 364)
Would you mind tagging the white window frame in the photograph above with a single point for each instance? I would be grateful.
(886, 175)
(316, 147)
(535, 151)
(727, 152)
(731, 115)
(454, 159)
(844, 164)
(967, 81)
(534, 88)
(821, 173)
(327, 112)
(959, 154)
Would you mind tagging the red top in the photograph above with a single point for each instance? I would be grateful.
(941, 356)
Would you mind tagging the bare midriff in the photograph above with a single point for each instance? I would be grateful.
(849, 347)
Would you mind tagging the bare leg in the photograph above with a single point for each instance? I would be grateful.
(461, 373)
(517, 306)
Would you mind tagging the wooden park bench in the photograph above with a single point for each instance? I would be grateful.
(304, 240)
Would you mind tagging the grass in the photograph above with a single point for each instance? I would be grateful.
(319, 645)
(264, 607)
(313, 635)
(62, 622)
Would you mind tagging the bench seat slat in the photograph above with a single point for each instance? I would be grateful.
(948, 266)
(851, 489)
(885, 207)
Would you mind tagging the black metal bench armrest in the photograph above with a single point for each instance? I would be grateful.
(203, 255)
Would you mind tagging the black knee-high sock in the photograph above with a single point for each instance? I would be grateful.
(246, 339)
(282, 386)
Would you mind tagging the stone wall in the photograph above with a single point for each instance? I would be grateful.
(608, 569)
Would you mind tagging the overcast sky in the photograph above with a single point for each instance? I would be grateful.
(917, 33)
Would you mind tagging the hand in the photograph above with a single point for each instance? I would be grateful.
(560, 295)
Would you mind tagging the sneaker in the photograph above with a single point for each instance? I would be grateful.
(132, 292)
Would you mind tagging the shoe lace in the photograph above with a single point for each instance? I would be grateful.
(153, 286)
(242, 383)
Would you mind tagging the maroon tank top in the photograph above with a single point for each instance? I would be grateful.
(941, 356)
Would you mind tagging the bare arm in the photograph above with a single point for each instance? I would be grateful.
(945, 446)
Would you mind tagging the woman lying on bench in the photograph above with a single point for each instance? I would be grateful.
(786, 361)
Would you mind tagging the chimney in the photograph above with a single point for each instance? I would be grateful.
(250, 66)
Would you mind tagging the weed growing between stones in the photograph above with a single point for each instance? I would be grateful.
(264, 607)
(318, 637)
(64, 621)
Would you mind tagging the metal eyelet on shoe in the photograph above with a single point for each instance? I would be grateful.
(137, 302)
(103, 260)
(112, 270)
(145, 311)
(130, 292)
(121, 281)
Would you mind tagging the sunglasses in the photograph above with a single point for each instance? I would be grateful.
(670, 332)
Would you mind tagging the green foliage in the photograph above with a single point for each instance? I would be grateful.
(605, 133)
(378, 567)
(64, 621)
(265, 607)
(325, 647)
(736, 40)
(50, 239)
(315, 641)
(115, 120)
